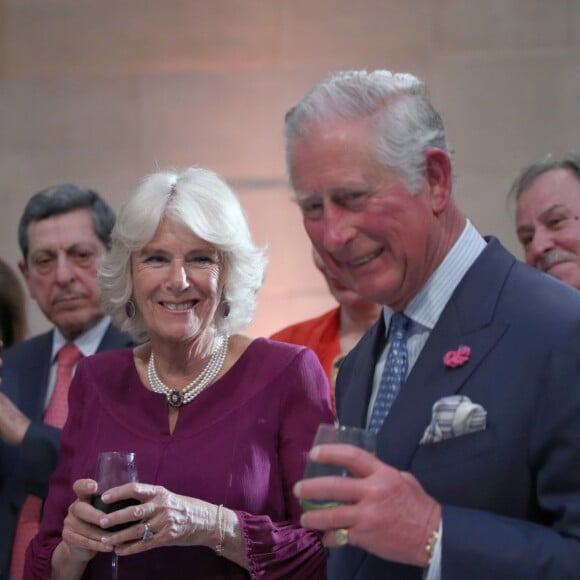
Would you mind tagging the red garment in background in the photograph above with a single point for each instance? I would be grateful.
(321, 334)
(56, 413)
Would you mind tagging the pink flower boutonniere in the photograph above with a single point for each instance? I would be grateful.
(457, 358)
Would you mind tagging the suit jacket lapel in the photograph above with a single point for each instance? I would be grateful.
(29, 384)
(114, 339)
(357, 382)
(467, 319)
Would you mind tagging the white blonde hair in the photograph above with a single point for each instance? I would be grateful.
(201, 200)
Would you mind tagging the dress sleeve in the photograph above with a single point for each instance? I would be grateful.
(60, 493)
(285, 549)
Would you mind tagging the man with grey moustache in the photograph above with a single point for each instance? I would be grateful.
(547, 196)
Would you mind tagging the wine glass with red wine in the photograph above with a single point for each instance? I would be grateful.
(114, 468)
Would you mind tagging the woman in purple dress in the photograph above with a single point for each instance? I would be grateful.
(221, 424)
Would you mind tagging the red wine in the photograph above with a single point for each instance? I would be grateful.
(113, 507)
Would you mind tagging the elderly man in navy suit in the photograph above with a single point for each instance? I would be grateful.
(471, 376)
(63, 233)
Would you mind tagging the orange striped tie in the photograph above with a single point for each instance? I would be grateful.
(55, 415)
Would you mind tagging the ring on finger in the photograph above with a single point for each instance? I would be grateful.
(147, 532)
(341, 537)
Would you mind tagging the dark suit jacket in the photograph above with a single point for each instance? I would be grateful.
(510, 494)
(26, 469)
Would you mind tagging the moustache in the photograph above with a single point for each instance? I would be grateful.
(66, 298)
(546, 261)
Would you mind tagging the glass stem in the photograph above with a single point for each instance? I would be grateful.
(115, 566)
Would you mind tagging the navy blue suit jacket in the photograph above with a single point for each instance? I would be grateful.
(510, 494)
(26, 469)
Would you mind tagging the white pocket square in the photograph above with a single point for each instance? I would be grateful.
(452, 417)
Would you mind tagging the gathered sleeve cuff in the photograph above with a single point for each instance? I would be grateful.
(281, 549)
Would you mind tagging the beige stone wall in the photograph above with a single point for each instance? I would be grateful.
(101, 93)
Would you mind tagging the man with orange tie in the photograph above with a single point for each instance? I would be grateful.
(63, 233)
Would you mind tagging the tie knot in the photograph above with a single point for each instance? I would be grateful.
(399, 323)
(68, 355)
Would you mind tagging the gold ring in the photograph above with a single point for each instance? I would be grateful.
(341, 537)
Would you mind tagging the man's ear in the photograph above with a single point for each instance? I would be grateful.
(23, 267)
(438, 176)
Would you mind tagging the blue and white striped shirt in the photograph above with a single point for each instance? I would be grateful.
(426, 308)
(424, 311)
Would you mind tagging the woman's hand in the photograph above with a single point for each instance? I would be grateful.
(171, 520)
(81, 534)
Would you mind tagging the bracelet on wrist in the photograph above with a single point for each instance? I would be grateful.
(219, 548)
(430, 547)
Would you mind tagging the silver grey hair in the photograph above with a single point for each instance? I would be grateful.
(202, 201)
(405, 122)
(571, 162)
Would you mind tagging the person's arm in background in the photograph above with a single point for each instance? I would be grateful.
(37, 443)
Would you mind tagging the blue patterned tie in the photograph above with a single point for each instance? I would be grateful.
(394, 372)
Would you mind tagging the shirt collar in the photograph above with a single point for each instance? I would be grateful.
(427, 306)
(87, 343)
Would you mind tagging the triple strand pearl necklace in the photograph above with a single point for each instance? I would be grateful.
(202, 381)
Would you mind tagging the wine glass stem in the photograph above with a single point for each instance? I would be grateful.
(115, 566)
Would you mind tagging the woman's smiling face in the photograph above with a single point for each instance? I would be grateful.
(177, 283)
